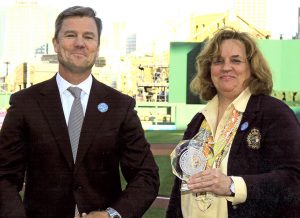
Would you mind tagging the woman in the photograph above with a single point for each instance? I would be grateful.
(256, 138)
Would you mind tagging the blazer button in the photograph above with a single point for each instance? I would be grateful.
(234, 207)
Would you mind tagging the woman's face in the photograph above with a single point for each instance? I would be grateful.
(230, 70)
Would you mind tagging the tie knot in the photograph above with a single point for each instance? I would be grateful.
(75, 91)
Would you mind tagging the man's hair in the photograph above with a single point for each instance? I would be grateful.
(260, 81)
(77, 11)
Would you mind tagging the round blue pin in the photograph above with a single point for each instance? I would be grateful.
(102, 107)
(244, 126)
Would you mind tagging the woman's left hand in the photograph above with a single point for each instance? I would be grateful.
(210, 180)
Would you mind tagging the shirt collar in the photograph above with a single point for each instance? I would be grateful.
(240, 103)
(63, 84)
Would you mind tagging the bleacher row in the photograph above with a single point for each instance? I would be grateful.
(292, 98)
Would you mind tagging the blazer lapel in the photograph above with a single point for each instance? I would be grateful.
(51, 106)
(251, 112)
(92, 120)
(193, 126)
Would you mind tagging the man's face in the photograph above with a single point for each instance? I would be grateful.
(77, 45)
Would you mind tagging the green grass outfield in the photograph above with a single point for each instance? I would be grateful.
(164, 136)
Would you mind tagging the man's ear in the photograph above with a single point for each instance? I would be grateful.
(98, 51)
(55, 45)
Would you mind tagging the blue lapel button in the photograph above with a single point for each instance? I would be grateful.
(102, 107)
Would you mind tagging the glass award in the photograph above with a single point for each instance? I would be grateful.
(190, 157)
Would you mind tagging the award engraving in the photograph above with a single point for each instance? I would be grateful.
(192, 161)
(190, 157)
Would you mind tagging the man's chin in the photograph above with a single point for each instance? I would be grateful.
(78, 69)
(81, 70)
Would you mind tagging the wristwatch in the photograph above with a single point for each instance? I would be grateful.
(232, 187)
(112, 213)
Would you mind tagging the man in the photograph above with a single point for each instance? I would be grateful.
(65, 173)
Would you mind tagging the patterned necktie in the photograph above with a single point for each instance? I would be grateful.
(75, 120)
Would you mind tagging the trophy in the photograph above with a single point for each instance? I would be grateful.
(192, 156)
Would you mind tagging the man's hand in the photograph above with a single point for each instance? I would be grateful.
(94, 214)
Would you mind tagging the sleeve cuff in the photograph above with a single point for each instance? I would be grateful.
(240, 191)
(113, 213)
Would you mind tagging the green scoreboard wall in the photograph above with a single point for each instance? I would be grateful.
(178, 70)
(283, 57)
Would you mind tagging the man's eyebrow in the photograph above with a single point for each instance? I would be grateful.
(69, 31)
(89, 33)
(74, 32)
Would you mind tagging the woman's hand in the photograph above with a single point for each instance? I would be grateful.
(210, 180)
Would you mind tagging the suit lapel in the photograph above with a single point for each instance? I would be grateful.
(51, 106)
(92, 120)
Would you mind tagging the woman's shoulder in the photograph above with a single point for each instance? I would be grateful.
(196, 118)
(268, 104)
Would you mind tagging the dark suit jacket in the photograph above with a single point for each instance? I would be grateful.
(271, 173)
(34, 138)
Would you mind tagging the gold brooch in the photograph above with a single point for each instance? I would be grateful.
(253, 139)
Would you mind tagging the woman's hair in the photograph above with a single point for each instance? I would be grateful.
(77, 11)
(260, 81)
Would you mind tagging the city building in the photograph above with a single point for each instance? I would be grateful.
(254, 12)
(26, 26)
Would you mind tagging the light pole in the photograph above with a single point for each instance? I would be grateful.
(7, 63)
(3, 78)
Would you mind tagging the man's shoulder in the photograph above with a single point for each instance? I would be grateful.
(112, 91)
(34, 89)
